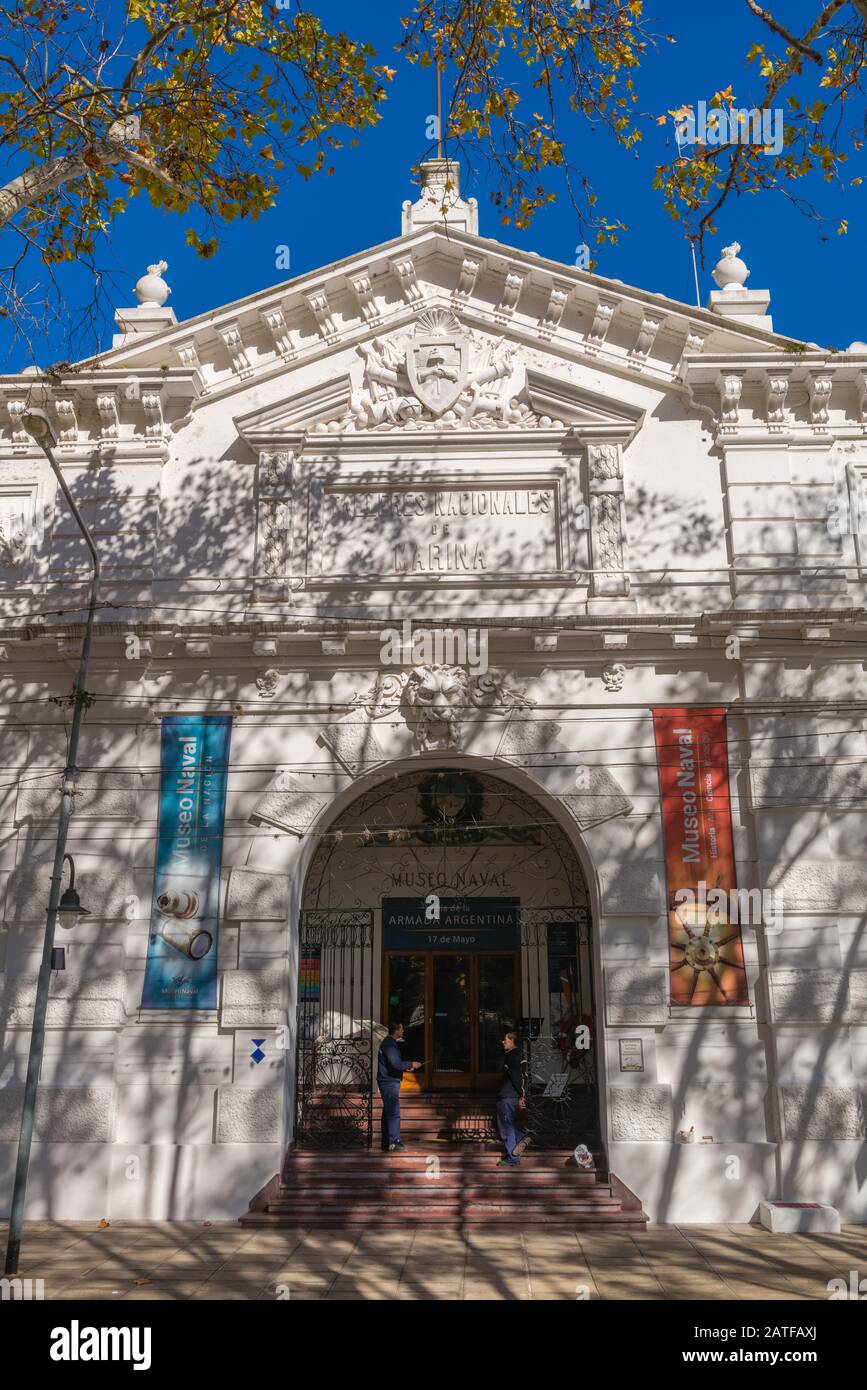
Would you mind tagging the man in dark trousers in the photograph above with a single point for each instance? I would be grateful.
(389, 1072)
(511, 1092)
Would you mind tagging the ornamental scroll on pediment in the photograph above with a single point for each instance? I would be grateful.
(440, 376)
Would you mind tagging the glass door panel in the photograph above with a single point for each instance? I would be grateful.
(455, 1008)
(406, 1002)
(452, 1053)
(496, 1013)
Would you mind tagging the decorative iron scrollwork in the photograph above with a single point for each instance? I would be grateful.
(557, 985)
(336, 1031)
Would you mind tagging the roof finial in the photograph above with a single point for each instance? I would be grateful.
(733, 300)
(730, 271)
(440, 201)
(151, 314)
(151, 290)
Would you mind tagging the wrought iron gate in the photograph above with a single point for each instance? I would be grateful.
(338, 1034)
(557, 991)
(336, 1030)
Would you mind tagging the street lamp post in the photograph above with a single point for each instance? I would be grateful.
(38, 426)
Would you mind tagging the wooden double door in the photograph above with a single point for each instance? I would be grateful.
(455, 1007)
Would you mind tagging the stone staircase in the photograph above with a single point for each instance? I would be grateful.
(448, 1178)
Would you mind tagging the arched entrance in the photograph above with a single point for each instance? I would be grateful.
(452, 899)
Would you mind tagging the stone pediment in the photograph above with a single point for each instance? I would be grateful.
(368, 346)
(439, 375)
(541, 302)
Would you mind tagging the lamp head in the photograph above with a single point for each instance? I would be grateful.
(69, 909)
(38, 426)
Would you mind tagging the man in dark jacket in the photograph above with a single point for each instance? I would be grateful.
(390, 1068)
(516, 1140)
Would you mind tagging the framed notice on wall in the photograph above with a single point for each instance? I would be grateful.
(631, 1054)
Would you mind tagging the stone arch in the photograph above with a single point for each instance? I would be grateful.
(402, 783)
(364, 749)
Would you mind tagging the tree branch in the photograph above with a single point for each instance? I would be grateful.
(142, 61)
(767, 18)
(36, 183)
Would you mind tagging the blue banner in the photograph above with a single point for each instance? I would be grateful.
(181, 970)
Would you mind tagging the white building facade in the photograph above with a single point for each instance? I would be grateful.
(462, 541)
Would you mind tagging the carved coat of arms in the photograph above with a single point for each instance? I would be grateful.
(438, 367)
(440, 376)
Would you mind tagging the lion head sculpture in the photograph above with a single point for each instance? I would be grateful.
(435, 695)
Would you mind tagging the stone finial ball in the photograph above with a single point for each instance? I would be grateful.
(730, 272)
(151, 290)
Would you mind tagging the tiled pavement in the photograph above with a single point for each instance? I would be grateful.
(192, 1260)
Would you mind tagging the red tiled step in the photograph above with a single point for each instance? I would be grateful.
(501, 1178)
(397, 1167)
(477, 1210)
(501, 1181)
(362, 1189)
(376, 1163)
(381, 1218)
(456, 1202)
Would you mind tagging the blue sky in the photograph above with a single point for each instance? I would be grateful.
(818, 287)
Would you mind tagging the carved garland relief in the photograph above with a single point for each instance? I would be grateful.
(274, 518)
(607, 529)
(17, 519)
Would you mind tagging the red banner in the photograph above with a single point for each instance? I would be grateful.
(707, 955)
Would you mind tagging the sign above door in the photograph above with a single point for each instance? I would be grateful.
(464, 924)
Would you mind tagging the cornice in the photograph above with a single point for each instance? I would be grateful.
(454, 244)
(716, 622)
(158, 400)
(810, 398)
(333, 308)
